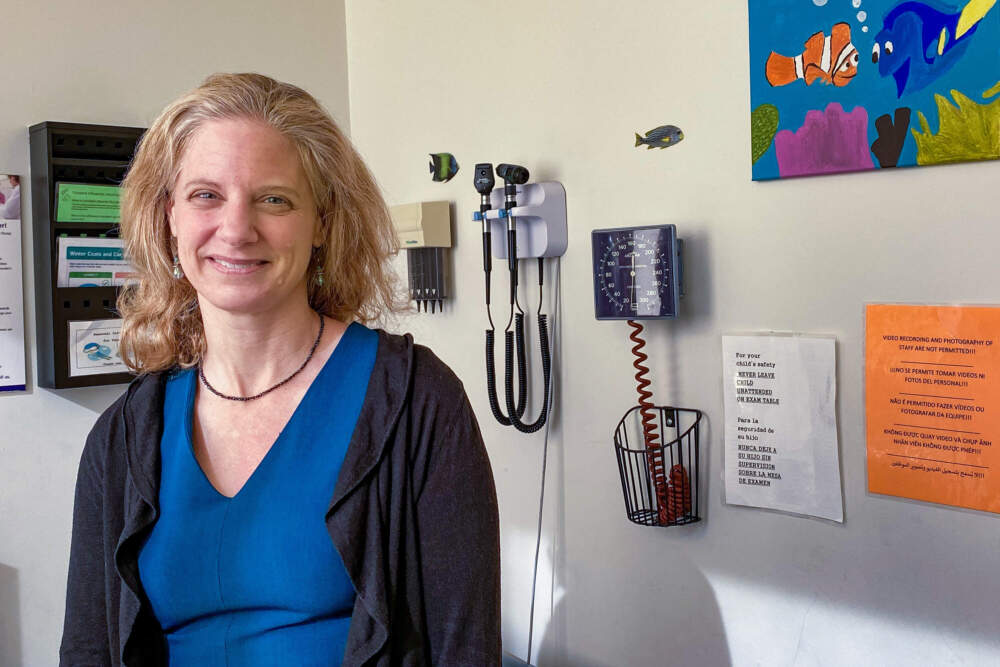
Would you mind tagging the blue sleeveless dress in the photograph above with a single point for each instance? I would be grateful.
(254, 579)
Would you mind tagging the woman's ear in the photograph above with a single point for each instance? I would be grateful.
(320, 236)
(170, 215)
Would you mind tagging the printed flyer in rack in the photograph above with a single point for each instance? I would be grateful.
(94, 348)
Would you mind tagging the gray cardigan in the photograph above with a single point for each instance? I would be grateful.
(413, 516)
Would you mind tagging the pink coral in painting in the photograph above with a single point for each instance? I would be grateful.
(828, 142)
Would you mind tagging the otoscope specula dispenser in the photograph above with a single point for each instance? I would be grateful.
(424, 231)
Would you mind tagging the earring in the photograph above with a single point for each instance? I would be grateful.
(178, 271)
(318, 276)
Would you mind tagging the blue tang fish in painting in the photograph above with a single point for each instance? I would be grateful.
(919, 41)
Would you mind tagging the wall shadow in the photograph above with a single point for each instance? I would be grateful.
(95, 399)
(697, 306)
(10, 618)
(694, 632)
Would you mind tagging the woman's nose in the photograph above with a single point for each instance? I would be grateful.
(238, 225)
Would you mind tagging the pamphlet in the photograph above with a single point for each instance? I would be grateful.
(86, 202)
(93, 348)
(92, 262)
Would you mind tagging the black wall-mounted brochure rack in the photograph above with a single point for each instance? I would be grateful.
(73, 153)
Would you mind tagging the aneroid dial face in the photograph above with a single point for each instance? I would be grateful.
(633, 273)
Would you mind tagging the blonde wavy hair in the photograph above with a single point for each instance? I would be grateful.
(162, 321)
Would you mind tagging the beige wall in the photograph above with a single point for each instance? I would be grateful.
(561, 87)
(118, 64)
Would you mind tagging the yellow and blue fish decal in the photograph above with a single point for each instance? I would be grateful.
(660, 137)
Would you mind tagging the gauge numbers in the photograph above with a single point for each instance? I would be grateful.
(634, 272)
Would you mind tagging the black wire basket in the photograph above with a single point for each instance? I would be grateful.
(658, 459)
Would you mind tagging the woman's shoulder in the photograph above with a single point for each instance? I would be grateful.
(425, 367)
(429, 381)
(133, 405)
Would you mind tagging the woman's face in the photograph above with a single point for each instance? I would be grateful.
(244, 217)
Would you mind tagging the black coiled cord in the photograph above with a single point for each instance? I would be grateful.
(491, 374)
(543, 342)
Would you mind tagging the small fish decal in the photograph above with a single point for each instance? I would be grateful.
(832, 60)
(660, 137)
(918, 42)
(443, 167)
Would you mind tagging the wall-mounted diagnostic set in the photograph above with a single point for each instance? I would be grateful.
(637, 276)
(521, 220)
(424, 231)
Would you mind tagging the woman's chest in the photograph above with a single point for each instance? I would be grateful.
(231, 442)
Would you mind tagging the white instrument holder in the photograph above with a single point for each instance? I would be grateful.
(539, 217)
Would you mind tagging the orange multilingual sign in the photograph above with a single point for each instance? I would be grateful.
(932, 398)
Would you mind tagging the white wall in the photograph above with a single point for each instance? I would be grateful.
(898, 583)
(111, 63)
(561, 87)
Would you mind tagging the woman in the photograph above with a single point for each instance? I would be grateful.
(281, 484)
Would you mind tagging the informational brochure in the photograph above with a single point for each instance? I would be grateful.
(781, 424)
(86, 202)
(932, 400)
(93, 348)
(92, 262)
(12, 367)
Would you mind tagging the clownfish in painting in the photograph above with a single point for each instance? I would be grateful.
(830, 59)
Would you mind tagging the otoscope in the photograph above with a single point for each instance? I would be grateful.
(482, 179)
(513, 175)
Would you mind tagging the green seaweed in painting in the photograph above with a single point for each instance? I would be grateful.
(969, 131)
(763, 126)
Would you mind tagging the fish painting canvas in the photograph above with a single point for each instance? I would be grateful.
(858, 85)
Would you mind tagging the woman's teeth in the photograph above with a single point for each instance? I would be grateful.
(236, 265)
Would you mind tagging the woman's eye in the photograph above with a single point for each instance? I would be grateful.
(275, 200)
(203, 195)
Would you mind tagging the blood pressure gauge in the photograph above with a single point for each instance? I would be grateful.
(636, 272)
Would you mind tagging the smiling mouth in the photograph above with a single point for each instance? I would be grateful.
(230, 265)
